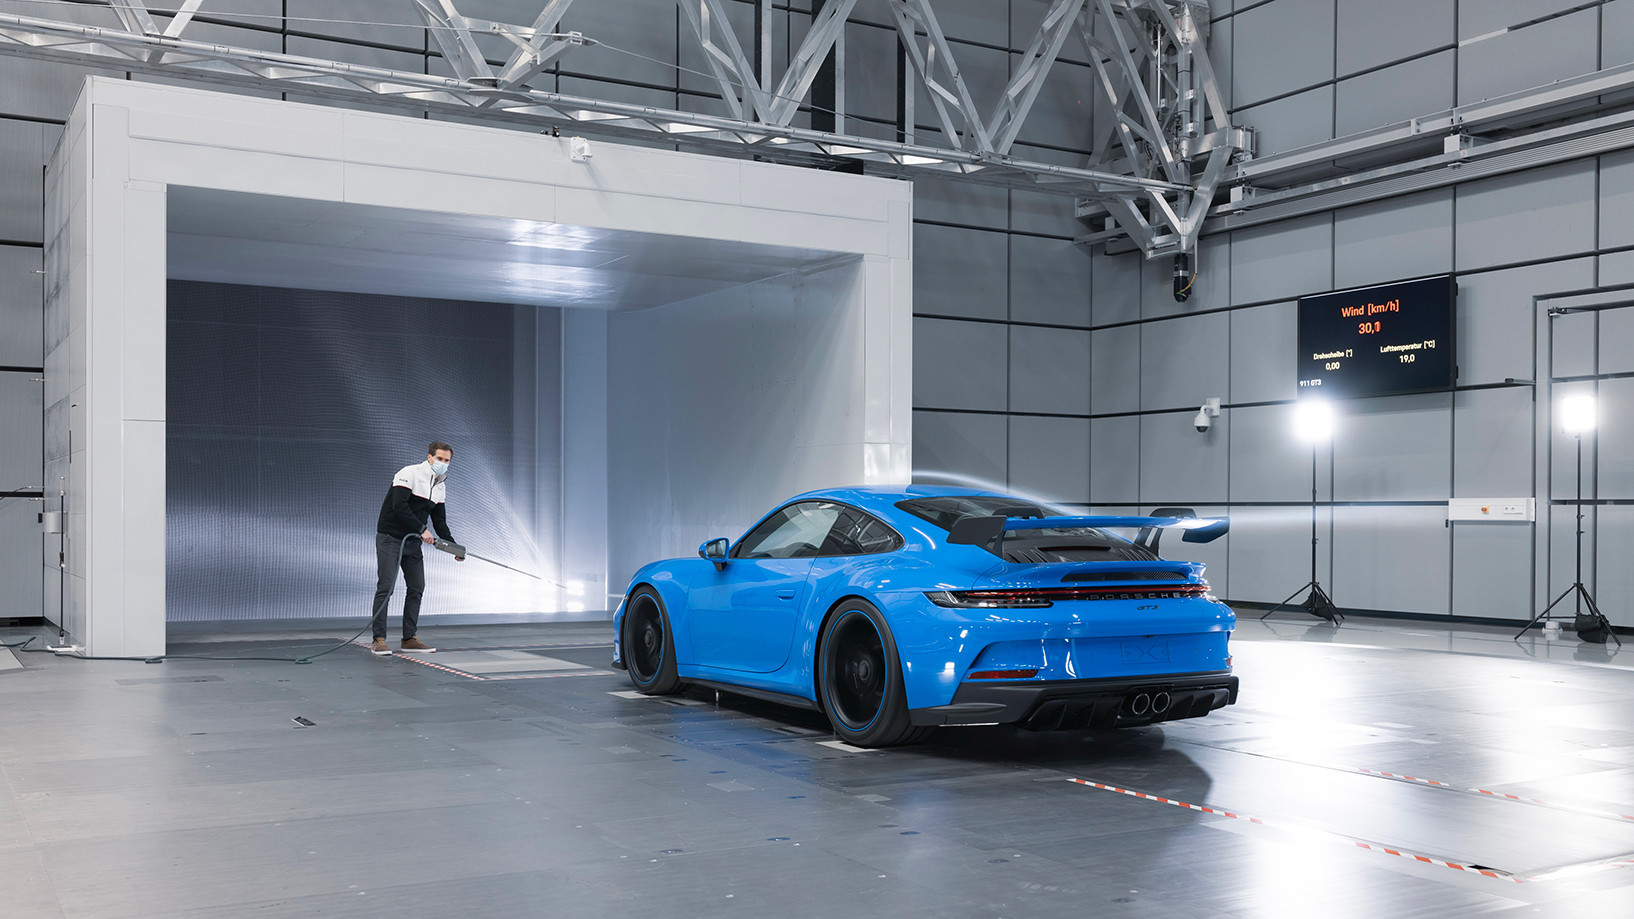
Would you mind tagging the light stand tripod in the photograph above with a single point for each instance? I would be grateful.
(1591, 626)
(1318, 604)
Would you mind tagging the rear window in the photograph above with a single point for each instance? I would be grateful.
(1050, 545)
(947, 510)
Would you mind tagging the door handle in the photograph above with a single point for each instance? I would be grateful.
(785, 595)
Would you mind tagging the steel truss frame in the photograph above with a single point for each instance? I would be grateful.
(1165, 143)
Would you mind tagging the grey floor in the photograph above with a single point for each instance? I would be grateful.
(526, 785)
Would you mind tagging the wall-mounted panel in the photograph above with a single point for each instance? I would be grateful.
(1184, 361)
(959, 365)
(1617, 198)
(1538, 214)
(1524, 58)
(1495, 317)
(1492, 442)
(1115, 370)
(1406, 90)
(21, 306)
(1396, 238)
(1614, 588)
(1116, 286)
(969, 448)
(1264, 341)
(1271, 552)
(1268, 462)
(1376, 32)
(1392, 558)
(1492, 570)
(959, 272)
(1049, 458)
(1280, 47)
(1114, 460)
(1285, 260)
(1179, 465)
(1393, 448)
(1616, 439)
(1049, 370)
(1290, 122)
(1049, 281)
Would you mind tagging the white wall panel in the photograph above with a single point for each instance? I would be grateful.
(1572, 346)
(1115, 370)
(959, 272)
(1185, 361)
(1264, 341)
(1049, 458)
(1114, 460)
(1282, 46)
(1393, 239)
(1271, 552)
(972, 447)
(1180, 465)
(1049, 370)
(1528, 57)
(1268, 463)
(1542, 213)
(1392, 558)
(1614, 588)
(1049, 281)
(1406, 90)
(1492, 443)
(1492, 570)
(1394, 448)
(1289, 259)
(1495, 317)
(959, 364)
(1375, 32)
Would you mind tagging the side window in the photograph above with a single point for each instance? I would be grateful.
(796, 531)
(857, 533)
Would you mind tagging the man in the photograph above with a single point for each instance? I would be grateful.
(416, 495)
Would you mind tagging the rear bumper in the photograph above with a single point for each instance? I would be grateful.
(1101, 703)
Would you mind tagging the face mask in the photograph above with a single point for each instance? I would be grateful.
(439, 468)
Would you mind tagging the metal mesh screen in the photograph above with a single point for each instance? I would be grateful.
(290, 410)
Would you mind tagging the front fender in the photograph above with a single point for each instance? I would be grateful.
(670, 578)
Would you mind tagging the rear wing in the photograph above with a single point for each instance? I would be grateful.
(978, 531)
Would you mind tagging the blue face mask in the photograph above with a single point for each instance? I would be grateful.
(439, 468)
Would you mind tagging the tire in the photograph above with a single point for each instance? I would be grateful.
(649, 652)
(860, 679)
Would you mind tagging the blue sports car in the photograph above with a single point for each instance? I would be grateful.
(895, 610)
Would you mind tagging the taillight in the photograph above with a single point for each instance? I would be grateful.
(1034, 598)
(1003, 675)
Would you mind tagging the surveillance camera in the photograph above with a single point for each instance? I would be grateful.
(1210, 410)
(1202, 422)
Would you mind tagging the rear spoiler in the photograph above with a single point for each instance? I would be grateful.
(978, 531)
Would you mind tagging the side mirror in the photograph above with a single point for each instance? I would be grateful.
(715, 551)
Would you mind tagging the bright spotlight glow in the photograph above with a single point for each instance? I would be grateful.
(575, 607)
(1313, 420)
(1577, 413)
(575, 588)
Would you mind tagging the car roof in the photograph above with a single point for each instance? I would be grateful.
(882, 499)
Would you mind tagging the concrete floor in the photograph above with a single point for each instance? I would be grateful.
(186, 789)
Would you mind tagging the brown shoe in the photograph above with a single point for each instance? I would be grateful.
(378, 646)
(415, 644)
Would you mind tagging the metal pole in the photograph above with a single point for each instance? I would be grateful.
(1313, 521)
(1578, 594)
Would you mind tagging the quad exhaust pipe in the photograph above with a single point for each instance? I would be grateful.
(1141, 703)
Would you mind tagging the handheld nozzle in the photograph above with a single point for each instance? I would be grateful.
(451, 547)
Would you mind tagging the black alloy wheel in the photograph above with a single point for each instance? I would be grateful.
(648, 651)
(860, 679)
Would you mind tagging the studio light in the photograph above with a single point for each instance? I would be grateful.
(1313, 420)
(1577, 413)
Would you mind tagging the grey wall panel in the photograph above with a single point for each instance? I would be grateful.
(1221, 51)
(1049, 458)
(977, 20)
(1392, 558)
(1185, 361)
(1492, 570)
(1264, 340)
(1049, 281)
(1492, 443)
(1481, 17)
(1268, 463)
(1617, 33)
(1216, 555)
(1538, 214)
(1395, 448)
(1572, 345)
(1289, 259)
(1179, 465)
(1406, 90)
(42, 89)
(1114, 460)
(20, 570)
(22, 179)
(1115, 370)
(1616, 269)
(646, 27)
(1616, 440)
(959, 364)
(1210, 285)
(1116, 281)
(1375, 32)
(1049, 370)
(1291, 122)
(1617, 199)
(1614, 588)
(970, 205)
(1282, 46)
(1271, 552)
(22, 420)
(21, 307)
(870, 69)
(1032, 212)
(958, 272)
(970, 447)
(1062, 115)
(1397, 238)
(1528, 57)
(1617, 340)
(1495, 317)
(367, 20)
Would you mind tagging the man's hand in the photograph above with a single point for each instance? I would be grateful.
(427, 537)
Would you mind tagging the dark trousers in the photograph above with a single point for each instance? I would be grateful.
(386, 549)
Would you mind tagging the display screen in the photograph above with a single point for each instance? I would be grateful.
(1377, 340)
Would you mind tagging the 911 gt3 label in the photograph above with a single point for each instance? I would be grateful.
(1145, 652)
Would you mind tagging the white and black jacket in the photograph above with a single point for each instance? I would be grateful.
(416, 494)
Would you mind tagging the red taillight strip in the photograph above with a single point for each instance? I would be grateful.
(1081, 593)
(1003, 675)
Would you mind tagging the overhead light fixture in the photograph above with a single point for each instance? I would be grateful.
(1577, 413)
(911, 160)
(1313, 420)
